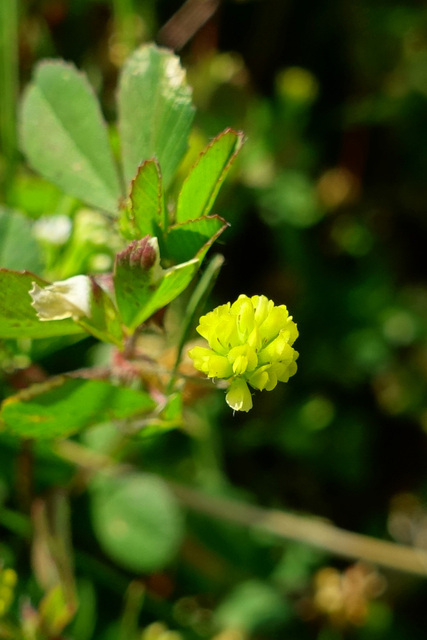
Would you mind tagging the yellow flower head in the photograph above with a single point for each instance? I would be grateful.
(250, 341)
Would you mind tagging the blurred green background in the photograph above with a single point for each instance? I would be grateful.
(328, 213)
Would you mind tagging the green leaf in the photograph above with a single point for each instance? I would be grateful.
(18, 247)
(193, 237)
(202, 184)
(63, 406)
(146, 211)
(34, 195)
(104, 322)
(18, 318)
(252, 606)
(174, 282)
(65, 138)
(155, 111)
(55, 611)
(137, 521)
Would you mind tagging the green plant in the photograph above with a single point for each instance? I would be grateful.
(65, 139)
(157, 249)
(105, 273)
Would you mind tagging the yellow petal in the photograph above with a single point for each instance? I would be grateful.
(262, 307)
(210, 363)
(219, 367)
(259, 379)
(273, 323)
(277, 351)
(244, 358)
(238, 396)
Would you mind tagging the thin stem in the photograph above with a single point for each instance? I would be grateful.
(25, 475)
(312, 531)
(186, 22)
(197, 299)
(134, 598)
(124, 18)
(284, 526)
(9, 85)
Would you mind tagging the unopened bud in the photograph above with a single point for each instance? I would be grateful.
(139, 254)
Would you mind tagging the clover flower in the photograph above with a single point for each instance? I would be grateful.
(250, 342)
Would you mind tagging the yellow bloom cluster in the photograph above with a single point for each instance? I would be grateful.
(250, 342)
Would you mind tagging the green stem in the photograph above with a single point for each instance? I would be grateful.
(134, 599)
(194, 306)
(281, 525)
(9, 87)
(124, 18)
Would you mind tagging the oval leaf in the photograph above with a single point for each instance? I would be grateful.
(63, 406)
(253, 605)
(137, 521)
(65, 138)
(146, 211)
(202, 184)
(155, 111)
(18, 247)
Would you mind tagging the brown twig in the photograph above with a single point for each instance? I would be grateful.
(186, 22)
(282, 525)
(309, 530)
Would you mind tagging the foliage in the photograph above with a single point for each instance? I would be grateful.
(133, 503)
(65, 139)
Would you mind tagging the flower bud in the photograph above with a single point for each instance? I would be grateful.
(140, 254)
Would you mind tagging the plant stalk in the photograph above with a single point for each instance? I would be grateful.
(9, 90)
(280, 524)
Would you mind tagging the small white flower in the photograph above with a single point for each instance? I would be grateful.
(69, 298)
